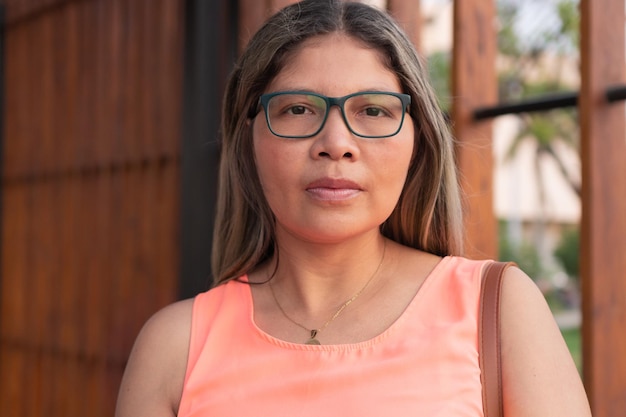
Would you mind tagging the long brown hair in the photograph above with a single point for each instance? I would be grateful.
(428, 213)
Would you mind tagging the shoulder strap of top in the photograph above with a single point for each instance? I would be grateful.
(489, 338)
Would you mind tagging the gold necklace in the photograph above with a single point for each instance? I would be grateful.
(313, 332)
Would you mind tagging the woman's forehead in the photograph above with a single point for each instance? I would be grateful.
(335, 62)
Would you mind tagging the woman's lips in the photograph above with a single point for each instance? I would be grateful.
(332, 189)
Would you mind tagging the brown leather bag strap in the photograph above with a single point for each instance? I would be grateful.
(489, 338)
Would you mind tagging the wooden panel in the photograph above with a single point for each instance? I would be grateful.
(90, 189)
(92, 84)
(408, 14)
(14, 305)
(12, 383)
(603, 152)
(17, 10)
(474, 84)
(70, 289)
(252, 14)
(95, 257)
(17, 129)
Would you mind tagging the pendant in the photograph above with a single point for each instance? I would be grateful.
(312, 340)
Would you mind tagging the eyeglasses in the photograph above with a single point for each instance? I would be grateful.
(369, 114)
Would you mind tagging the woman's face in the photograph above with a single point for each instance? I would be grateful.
(335, 185)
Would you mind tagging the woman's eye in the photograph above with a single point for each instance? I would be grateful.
(374, 112)
(297, 110)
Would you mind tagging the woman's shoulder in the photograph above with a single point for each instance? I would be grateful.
(412, 259)
(170, 325)
(173, 320)
(538, 371)
(425, 263)
(154, 375)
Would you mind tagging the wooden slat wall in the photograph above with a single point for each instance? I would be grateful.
(252, 14)
(408, 14)
(474, 84)
(603, 239)
(90, 186)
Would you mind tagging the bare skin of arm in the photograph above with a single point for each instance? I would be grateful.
(539, 376)
(153, 380)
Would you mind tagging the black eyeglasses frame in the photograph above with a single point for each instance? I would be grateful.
(334, 101)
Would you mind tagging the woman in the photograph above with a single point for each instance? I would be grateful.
(339, 289)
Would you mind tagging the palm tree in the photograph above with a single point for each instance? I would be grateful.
(547, 130)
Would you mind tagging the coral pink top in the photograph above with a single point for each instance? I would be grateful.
(424, 364)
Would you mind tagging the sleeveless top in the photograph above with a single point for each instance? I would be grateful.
(424, 364)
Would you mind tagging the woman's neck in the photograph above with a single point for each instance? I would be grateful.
(315, 279)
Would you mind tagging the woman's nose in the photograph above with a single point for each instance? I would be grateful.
(335, 140)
